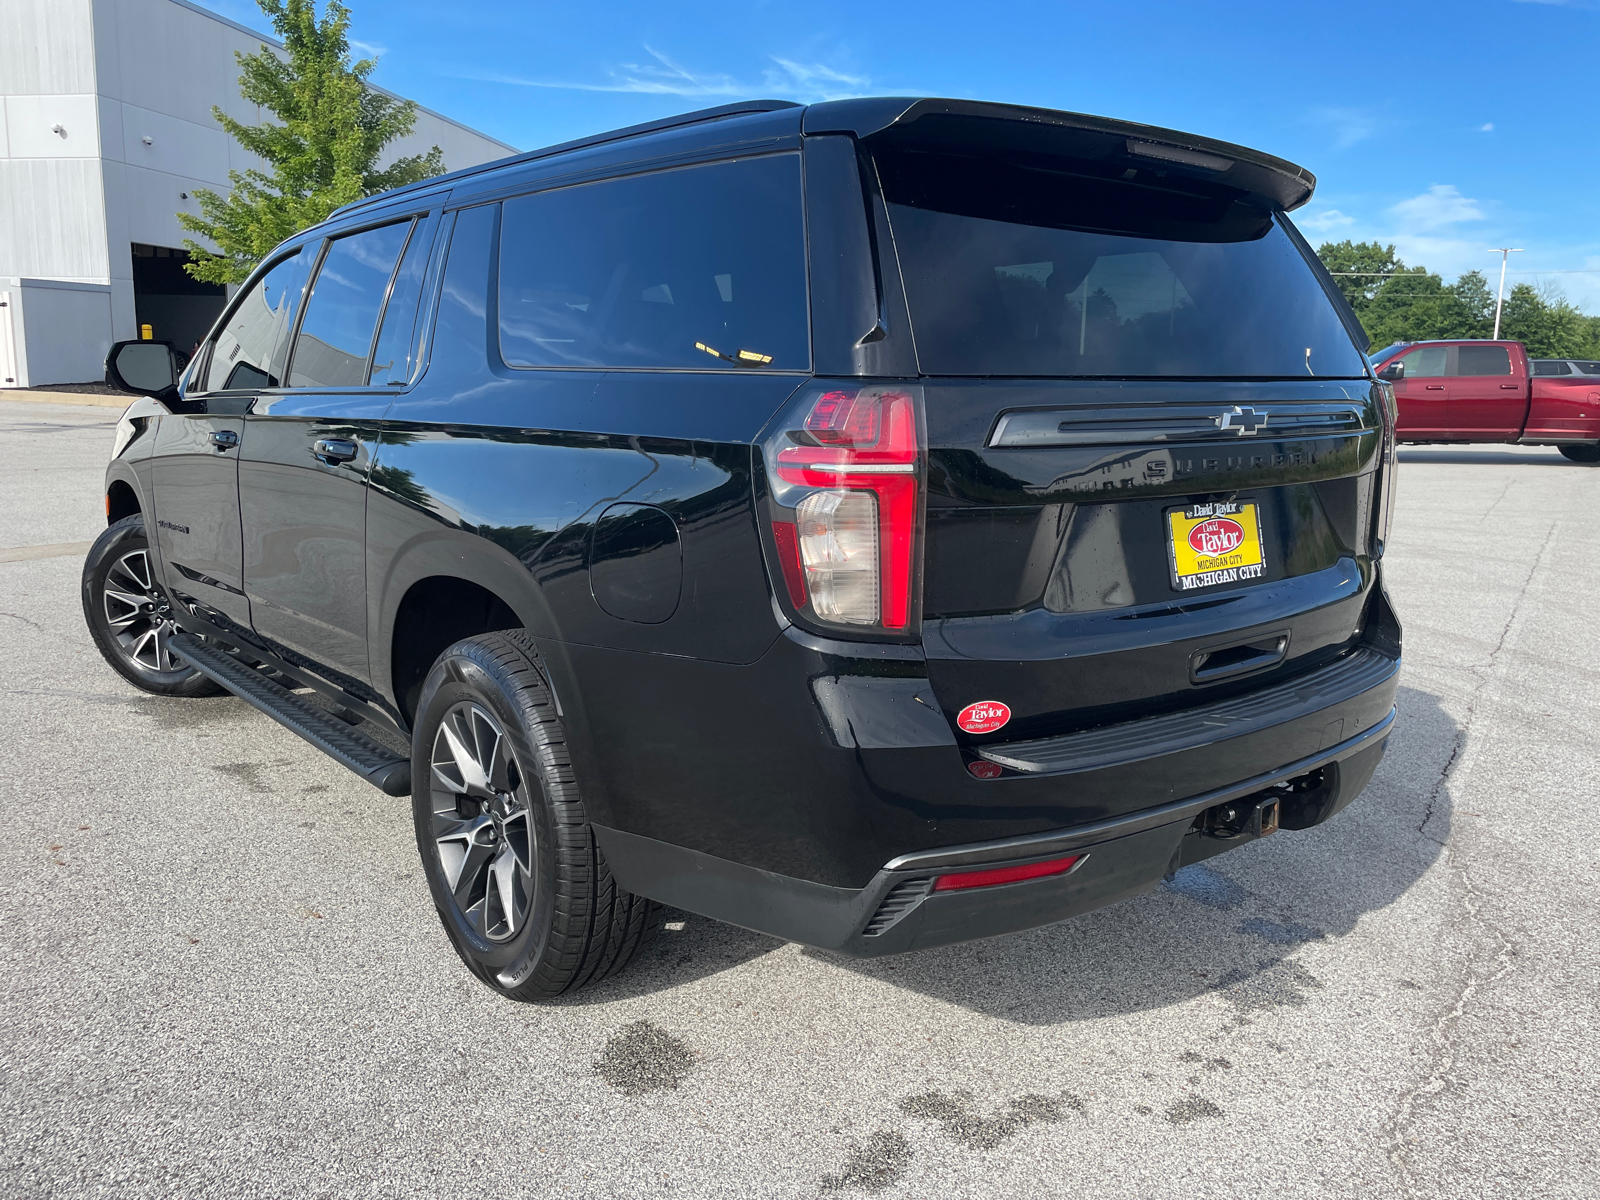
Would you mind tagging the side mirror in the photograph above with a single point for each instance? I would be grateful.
(143, 368)
(1393, 372)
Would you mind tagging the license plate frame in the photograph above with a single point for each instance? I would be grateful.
(1232, 527)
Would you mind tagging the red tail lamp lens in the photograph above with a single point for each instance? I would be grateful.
(867, 441)
(794, 575)
(843, 419)
(1038, 870)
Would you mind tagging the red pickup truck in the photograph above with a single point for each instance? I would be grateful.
(1482, 391)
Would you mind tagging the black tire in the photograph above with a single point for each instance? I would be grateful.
(517, 877)
(129, 616)
(1582, 454)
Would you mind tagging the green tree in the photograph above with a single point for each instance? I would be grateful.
(322, 150)
(1549, 324)
(1397, 303)
(1360, 269)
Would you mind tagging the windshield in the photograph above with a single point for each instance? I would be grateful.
(1019, 270)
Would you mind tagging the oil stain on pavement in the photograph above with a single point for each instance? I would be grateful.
(961, 1122)
(873, 1167)
(642, 1058)
(1193, 1108)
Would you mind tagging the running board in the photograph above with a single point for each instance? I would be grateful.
(374, 762)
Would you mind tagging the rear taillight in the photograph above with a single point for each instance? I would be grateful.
(844, 468)
(1388, 468)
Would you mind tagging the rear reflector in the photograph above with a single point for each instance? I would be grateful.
(794, 575)
(1038, 870)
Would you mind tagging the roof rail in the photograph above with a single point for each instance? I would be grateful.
(615, 135)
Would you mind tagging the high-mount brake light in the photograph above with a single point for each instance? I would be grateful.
(856, 533)
(999, 875)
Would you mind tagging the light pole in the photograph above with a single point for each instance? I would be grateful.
(1505, 252)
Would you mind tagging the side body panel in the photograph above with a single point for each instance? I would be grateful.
(304, 528)
(1424, 409)
(1488, 408)
(194, 490)
(535, 484)
(1564, 409)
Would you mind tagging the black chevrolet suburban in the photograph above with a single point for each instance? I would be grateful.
(880, 524)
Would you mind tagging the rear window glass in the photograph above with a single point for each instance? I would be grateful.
(1024, 269)
(1483, 360)
(702, 267)
(1544, 366)
(1588, 368)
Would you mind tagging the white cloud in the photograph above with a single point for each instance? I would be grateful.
(368, 49)
(787, 79)
(1349, 125)
(1487, 127)
(1325, 221)
(815, 79)
(1442, 205)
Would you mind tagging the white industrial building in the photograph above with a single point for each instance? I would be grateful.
(106, 133)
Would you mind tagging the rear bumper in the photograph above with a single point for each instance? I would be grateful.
(899, 910)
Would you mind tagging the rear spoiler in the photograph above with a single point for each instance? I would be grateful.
(908, 120)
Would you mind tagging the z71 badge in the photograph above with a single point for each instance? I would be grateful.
(1213, 544)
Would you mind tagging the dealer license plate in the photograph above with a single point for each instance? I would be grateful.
(1214, 544)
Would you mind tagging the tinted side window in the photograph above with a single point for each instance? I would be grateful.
(1483, 360)
(698, 267)
(1589, 368)
(1550, 367)
(395, 359)
(250, 350)
(1426, 363)
(342, 311)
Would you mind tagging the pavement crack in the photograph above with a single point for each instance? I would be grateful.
(24, 620)
(1483, 675)
(1483, 967)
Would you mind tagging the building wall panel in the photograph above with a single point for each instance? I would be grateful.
(31, 122)
(47, 47)
(177, 147)
(52, 219)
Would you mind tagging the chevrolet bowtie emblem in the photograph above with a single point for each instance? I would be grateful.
(1243, 421)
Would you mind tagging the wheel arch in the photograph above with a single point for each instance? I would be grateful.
(122, 500)
(438, 590)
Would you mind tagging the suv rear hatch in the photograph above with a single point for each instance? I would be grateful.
(1153, 447)
(1152, 442)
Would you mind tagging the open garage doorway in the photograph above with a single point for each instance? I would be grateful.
(177, 308)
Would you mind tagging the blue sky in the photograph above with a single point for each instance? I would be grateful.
(1445, 128)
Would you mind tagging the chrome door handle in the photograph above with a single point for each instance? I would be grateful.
(1511, 387)
(224, 439)
(1435, 387)
(333, 450)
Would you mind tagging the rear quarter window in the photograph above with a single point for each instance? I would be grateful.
(701, 268)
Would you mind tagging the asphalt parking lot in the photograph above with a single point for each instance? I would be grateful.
(223, 975)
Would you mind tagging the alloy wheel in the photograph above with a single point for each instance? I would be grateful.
(481, 822)
(139, 615)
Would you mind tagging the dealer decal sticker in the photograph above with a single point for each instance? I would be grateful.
(983, 717)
